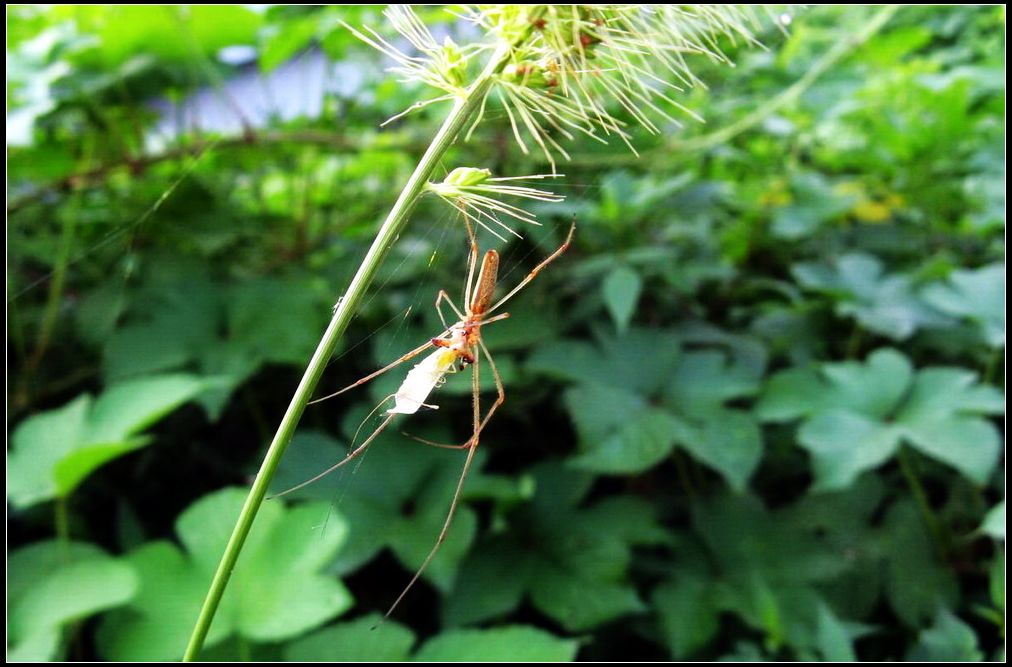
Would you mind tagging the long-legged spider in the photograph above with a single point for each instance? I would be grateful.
(459, 345)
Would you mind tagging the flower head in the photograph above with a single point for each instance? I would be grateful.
(475, 193)
(570, 66)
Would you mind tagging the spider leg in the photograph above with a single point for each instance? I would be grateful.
(352, 455)
(440, 298)
(500, 399)
(413, 353)
(537, 269)
(472, 260)
(456, 494)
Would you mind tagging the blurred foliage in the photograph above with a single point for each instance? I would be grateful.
(753, 413)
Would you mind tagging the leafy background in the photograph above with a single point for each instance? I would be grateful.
(754, 413)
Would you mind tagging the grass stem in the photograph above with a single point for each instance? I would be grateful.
(464, 110)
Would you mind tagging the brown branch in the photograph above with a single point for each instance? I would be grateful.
(139, 164)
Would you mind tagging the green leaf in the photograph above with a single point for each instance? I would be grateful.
(640, 443)
(253, 323)
(873, 388)
(974, 295)
(724, 439)
(856, 414)
(948, 640)
(640, 360)
(276, 592)
(790, 394)
(365, 639)
(844, 444)
(621, 290)
(996, 581)
(129, 407)
(689, 617)
(774, 568)
(620, 434)
(286, 40)
(171, 33)
(916, 582)
(834, 640)
(53, 452)
(401, 485)
(36, 444)
(473, 599)
(570, 561)
(994, 523)
(729, 441)
(815, 203)
(581, 607)
(51, 584)
(703, 381)
(939, 421)
(514, 643)
(887, 305)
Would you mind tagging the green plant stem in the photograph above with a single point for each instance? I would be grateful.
(61, 521)
(721, 137)
(921, 498)
(464, 110)
(841, 49)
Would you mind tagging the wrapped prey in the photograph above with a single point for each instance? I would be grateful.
(421, 380)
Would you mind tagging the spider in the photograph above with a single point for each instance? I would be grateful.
(459, 346)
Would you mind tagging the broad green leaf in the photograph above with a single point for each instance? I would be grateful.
(703, 381)
(834, 640)
(843, 444)
(873, 388)
(51, 584)
(73, 468)
(725, 439)
(994, 522)
(729, 441)
(815, 203)
(688, 613)
(948, 640)
(55, 451)
(640, 443)
(127, 408)
(285, 40)
(400, 485)
(253, 323)
(996, 583)
(640, 360)
(36, 444)
(276, 592)
(790, 394)
(621, 290)
(857, 413)
(969, 444)
(172, 33)
(514, 643)
(940, 419)
(917, 584)
(142, 349)
(974, 295)
(41, 646)
(774, 568)
(570, 561)
(364, 639)
(956, 390)
(582, 607)
(98, 312)
(885, 304)
(473, 599)
(598, 410)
